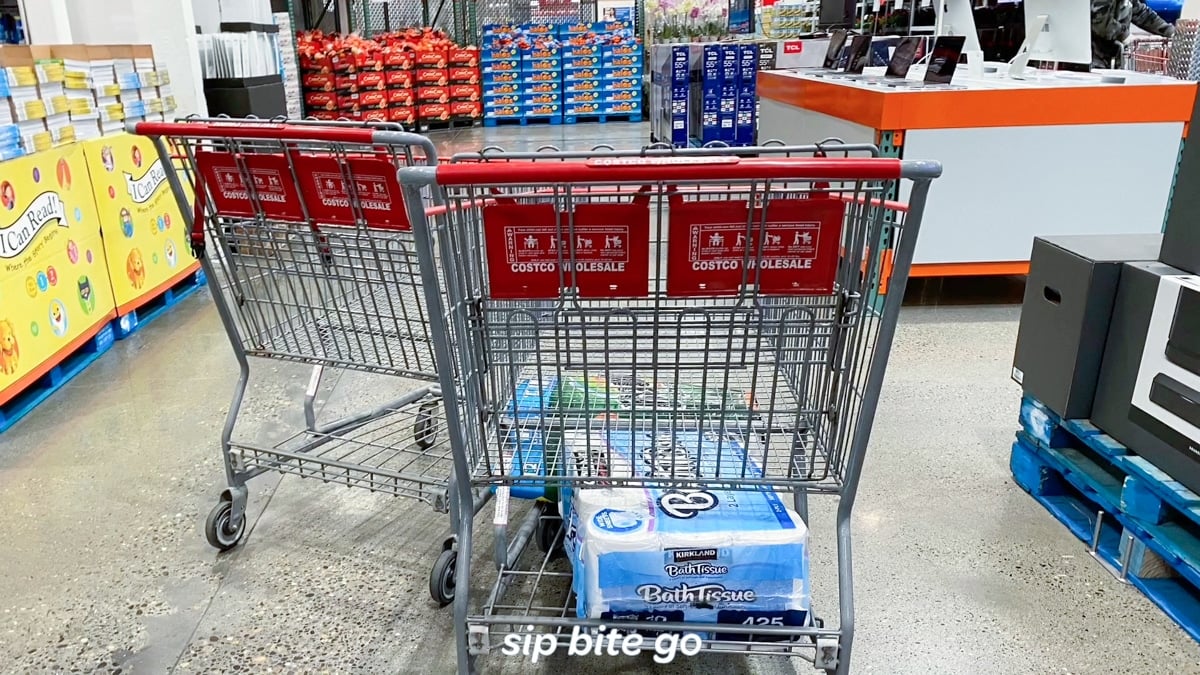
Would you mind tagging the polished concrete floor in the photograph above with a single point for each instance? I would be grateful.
(104, 567)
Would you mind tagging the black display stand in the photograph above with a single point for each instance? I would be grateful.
(262, 96)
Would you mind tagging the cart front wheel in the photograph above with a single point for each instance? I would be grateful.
(425, 427)
(221, 533)
(548, 528)
(441, 579)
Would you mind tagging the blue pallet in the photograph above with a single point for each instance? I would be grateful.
(127, 325)
(524, 120)
(1075, 470)
(41, 389)
(614, 117)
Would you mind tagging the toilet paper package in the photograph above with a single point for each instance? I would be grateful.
(696, 553)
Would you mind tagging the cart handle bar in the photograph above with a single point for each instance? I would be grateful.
(269, 131)
(656, 169)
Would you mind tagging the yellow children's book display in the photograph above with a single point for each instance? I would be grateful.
(55, 292)
(145, 239)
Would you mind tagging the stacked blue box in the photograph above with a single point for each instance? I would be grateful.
(542, 74)
(746, 124)
(500, 73)
(603, 63)
(670, 94)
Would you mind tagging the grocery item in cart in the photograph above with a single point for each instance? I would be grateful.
(697, 552)
(576, 395)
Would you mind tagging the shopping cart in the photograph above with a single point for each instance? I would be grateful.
(308, 252)
(689, 298)
(1147, 55)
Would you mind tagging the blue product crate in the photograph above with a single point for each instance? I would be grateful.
(494, 29)
(582, 109)
(503, 111)
(531, 78)
(621, 72)
(544, 109)
(504, 54)
(627, 49)
(497, 88)
(579, 97)
(623, 83)
(554, 86)
(554, 65)
(543, 98)
(571, 51)
(582, 62)
(541, 53)
(540, 28)
(567, 30)
(573, 84)
(500, 66)
(623, 61)
(621, 107)
(589, 73)
(502, 77)
(491, 101)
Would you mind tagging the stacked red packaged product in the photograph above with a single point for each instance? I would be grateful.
(415, 77)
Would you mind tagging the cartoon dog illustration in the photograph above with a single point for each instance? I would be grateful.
(10, 351)
(135, 267)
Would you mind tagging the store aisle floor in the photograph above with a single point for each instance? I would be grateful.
(104, 567)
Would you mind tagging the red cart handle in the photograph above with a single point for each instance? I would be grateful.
(685, 169)
(249, 129)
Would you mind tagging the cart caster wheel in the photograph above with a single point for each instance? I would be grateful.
(548, 528)
(425, 427)
(441, 579)
(221, 535)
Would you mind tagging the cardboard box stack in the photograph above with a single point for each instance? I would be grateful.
(603, 64)
(670, 94)
(77, 83)
(415, 77)
(503, 83)
(560, 72)
(51, 75)
(22, 105)
(148, 80)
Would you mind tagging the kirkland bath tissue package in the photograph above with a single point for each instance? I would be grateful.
(685, 554)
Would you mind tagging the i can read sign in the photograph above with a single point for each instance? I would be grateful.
(145, 240)
(46, 209)
(54, 286)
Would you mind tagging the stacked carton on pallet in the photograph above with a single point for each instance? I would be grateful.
(670, 94)
(602, 67)
(542, 72)
(502, 78)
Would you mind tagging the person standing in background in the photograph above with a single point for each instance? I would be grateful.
(1110, 28)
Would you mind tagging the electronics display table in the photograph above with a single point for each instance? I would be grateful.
(1064, 153)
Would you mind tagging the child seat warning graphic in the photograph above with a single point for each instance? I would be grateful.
(533, 251)
(716, 247)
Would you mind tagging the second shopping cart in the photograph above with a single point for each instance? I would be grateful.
(308, 252)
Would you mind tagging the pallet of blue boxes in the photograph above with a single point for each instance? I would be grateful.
(555, 73)
(702, 93)
(603, 64)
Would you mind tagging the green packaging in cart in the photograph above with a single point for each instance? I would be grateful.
(585, 394)
(693, 398)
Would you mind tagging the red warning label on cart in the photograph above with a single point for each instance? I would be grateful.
(274, 193)
(533, 251)
(347, 191)
(715, 248)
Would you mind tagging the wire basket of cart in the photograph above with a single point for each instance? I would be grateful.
(309, 255)
(643, 344)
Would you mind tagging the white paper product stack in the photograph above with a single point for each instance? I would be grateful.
(697, 554)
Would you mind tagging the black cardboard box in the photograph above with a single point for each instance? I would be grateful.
(241, 97)
(1119, 371)
(1065, 316)
(1181, 236)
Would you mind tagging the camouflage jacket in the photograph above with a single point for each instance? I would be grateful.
(1110, 28)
